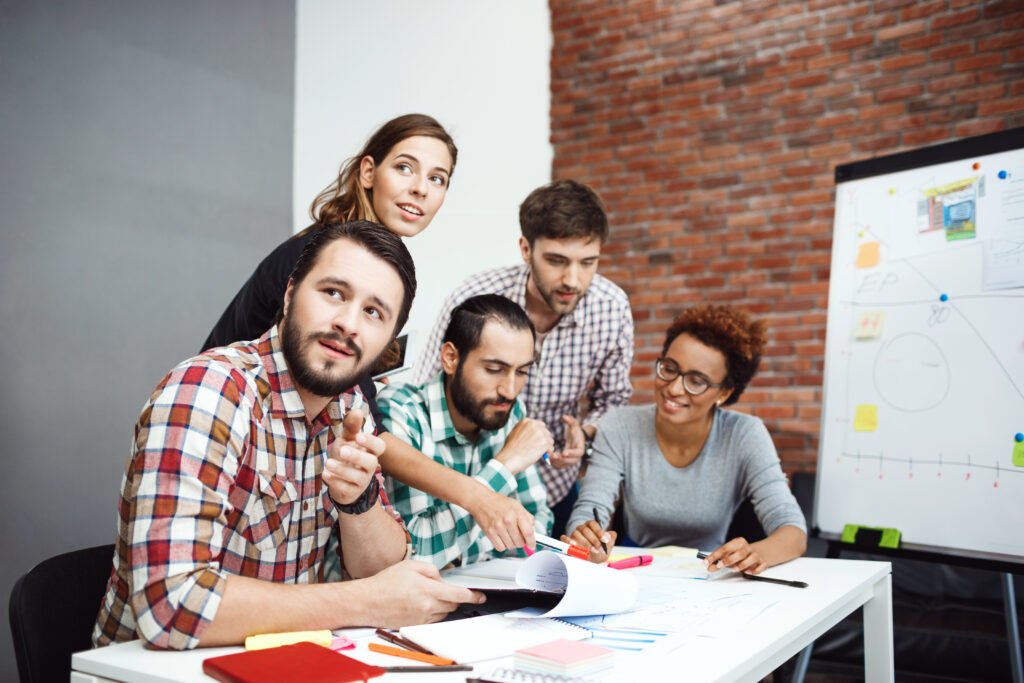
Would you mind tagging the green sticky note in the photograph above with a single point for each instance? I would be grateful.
(1018, 454)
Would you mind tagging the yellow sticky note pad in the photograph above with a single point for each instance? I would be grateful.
(264, 641)
(1018, 454)
(868, 255)
(865, 419)
(869, 324)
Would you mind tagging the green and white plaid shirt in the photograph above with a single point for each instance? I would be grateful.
(443, 532)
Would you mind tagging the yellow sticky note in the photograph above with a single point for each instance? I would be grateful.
(868, 255)
(865, 419)
(264, 641)
(869, 324)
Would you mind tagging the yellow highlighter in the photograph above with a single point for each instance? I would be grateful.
(268, 640)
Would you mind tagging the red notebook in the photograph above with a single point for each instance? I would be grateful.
(304, 662)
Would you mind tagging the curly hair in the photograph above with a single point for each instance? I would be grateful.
(730, 331)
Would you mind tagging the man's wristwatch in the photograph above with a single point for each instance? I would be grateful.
(364, 502)
(588, 444)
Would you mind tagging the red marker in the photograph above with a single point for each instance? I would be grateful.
(628, 562)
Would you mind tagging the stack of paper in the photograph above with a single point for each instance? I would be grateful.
(565, 657)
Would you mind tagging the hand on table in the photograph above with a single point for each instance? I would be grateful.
(736, 554)
(412, 592)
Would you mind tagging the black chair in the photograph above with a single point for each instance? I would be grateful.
(53, 609)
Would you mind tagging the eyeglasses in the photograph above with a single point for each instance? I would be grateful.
(694, 383)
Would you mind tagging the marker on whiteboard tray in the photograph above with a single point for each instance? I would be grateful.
(871, 537)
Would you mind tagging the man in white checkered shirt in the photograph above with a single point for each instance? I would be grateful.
(584, 342)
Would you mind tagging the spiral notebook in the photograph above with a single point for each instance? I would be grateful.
(520, 676)
(490, 636)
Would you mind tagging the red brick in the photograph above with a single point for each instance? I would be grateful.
(900, 30)
(902, 61)
(1001, 41)
(898, 93)
(986, 61)
(948, 20)
(1001, 106)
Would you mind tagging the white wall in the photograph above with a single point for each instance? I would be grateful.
(481, 67)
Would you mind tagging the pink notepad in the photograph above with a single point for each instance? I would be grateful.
(569, 657)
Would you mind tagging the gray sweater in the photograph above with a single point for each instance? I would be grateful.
(690, 506)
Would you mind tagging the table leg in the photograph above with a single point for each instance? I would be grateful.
(879, 666)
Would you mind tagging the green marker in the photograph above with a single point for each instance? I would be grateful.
(882, 537)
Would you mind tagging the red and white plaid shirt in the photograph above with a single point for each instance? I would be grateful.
(224, 478)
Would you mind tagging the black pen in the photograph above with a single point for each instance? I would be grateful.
(604, 545)
(401, 642)
(783, 582)
(701, 555)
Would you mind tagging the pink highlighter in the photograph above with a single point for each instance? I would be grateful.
(629, 562)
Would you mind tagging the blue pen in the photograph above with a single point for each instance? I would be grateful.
(547, 458)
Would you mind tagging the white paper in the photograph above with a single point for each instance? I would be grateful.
(589, 588)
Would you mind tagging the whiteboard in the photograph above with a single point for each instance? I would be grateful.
(924, 356)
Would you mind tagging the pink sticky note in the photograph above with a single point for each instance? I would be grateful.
(342, 643)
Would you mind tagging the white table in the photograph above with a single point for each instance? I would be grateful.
(751, 652)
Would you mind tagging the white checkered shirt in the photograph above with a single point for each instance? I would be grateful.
(588, 353)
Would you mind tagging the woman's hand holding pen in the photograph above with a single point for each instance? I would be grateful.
(590, 535)
(736, 554)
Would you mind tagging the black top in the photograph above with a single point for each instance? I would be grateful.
(254, 309)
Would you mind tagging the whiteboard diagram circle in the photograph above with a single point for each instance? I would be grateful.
(912, 373)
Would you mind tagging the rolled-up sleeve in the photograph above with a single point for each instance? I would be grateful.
(186, 457)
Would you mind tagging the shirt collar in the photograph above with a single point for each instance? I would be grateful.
(285, 401)
(437, 404)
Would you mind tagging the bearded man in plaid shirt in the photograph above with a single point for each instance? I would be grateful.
(584, 347)
(248, 456)
(470, 419)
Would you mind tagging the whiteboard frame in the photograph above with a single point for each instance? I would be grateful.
(982, 145)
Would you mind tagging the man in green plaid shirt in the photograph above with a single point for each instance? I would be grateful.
(469, 417)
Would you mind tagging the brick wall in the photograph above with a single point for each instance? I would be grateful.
(712, 128)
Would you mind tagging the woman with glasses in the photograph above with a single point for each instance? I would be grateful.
(685, 464)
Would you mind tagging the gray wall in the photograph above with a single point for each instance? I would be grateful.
(146, 161)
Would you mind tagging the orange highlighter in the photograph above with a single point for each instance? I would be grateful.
(635, 561)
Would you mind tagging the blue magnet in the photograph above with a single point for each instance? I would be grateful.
(1003, 175)
(944, 297)
(1018, 437)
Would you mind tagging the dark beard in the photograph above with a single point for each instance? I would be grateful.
(307, 377)
(470, 408)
